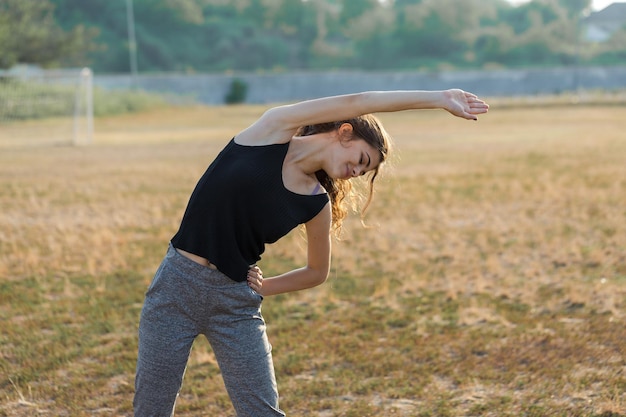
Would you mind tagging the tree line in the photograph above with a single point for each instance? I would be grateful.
(280, 35)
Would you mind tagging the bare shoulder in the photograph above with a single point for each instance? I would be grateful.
(266, 130)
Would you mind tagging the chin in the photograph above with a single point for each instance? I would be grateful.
(340, 177)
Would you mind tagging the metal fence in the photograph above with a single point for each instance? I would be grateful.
(284, 87)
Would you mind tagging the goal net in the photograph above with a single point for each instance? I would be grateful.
(46, 106)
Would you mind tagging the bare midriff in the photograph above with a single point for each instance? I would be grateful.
(197, 259)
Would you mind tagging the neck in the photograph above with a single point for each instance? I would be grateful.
(308, 152)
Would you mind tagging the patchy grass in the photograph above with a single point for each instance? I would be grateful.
(490, 281)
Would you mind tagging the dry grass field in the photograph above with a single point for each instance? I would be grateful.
(490, 279)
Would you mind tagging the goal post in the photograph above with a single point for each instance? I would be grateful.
(83, 109)
(61, 99)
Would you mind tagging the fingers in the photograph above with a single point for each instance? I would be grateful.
(474, 101)
(475, 106)
(478, 108)
(465, 104)
(255, 278)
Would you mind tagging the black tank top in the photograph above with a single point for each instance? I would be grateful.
(239, 205)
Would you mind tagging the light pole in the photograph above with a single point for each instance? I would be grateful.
(132, 43)
(580, 39)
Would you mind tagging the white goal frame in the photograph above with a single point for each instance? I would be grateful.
(30, 93)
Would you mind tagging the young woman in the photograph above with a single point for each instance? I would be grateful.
(291, 167)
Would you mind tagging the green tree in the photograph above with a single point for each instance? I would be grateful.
(267, 35)
(371, 33)
(351, 9)
(432, 33)
(613, 51)
(576, 8)
(30, 34)
(109, 17)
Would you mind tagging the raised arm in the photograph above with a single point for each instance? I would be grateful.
(278, 124)
(457, 102)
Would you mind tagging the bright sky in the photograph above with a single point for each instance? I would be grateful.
(596, 5)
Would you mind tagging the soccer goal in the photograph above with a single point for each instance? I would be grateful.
(46, 106)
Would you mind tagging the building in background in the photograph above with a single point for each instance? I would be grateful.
(599, 26)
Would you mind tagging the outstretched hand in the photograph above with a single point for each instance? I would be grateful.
(463, 104)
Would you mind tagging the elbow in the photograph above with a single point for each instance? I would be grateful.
(319, 276)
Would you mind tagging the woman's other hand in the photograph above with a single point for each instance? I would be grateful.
(255, 278)
(463, 104)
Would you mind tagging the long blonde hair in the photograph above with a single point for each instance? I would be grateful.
(367, 128)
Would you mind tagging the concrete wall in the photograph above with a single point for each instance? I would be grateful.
(284, 87)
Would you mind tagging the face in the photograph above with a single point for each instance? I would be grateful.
(354, 158)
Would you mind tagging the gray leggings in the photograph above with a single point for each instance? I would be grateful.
(186, 299)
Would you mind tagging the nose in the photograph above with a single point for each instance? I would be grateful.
(357, 171)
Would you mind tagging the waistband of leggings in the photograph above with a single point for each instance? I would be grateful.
(213, 276)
